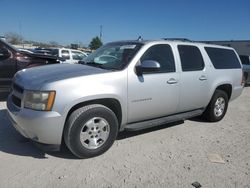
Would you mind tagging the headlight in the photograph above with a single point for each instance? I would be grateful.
(39, 100)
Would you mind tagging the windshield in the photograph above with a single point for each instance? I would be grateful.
(113, 55)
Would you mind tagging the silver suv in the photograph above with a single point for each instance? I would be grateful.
(127, 85)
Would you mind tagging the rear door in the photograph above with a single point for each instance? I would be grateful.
(194, 78)
(155, 94)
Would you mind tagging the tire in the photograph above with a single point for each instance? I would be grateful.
(215, 110)
(90, 131)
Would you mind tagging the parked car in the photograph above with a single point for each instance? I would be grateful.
(69, 55)
(45, 51)
(25, 50)
(13, 60)
(140, 85)
(246, 68)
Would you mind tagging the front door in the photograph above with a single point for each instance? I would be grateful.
(155, 94)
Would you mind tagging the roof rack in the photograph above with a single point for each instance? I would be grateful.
(178, 39)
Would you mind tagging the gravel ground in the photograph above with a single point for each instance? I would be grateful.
(174, 155)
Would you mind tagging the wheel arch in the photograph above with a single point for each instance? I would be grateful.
(227, 88)
(111, 103)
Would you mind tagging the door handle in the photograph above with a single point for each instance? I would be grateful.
(202, 78)
(172, 81)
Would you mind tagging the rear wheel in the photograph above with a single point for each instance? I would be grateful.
(217, 107)
(90, 130)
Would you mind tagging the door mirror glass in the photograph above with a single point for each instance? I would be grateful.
(148, 66)
(4, 54)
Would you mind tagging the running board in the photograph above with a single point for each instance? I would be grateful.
(161, 121)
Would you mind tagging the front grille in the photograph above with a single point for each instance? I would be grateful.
(16, 101)
(17, 95)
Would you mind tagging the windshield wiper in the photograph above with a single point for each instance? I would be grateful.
(90, 63)
(94, 64)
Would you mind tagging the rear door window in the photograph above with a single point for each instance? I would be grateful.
(223, 58)
(191, 58)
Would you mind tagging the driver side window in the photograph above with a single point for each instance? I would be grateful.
(162, 53)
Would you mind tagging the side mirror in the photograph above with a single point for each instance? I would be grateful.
(147, 66)
(4, 54)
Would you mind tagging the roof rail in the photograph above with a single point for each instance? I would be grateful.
(178, 39)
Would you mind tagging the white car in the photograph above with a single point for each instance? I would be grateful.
(71, 56)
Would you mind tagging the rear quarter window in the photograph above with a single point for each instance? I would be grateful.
(223, 58)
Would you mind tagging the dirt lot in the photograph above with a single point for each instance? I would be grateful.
(174, 155)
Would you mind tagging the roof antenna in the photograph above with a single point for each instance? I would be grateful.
(140, 38)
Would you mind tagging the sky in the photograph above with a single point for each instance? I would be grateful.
(78, 21)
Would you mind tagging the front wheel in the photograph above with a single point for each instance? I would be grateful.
(90, 130)
(217, 107)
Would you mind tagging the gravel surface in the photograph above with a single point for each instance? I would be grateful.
(174, 155)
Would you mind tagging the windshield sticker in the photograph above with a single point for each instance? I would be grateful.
(128, 47)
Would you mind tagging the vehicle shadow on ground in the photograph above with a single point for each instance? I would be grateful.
(11, 142)
(129, 134)
(65, 153)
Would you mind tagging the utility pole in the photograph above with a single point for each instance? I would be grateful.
(100, 32)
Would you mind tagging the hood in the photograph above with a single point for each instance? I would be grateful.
(35, 78)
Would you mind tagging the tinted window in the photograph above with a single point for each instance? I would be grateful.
(245, 59)
(223, 58)
(191, 59)
(65, 54)
(163, 54)
(54, 52)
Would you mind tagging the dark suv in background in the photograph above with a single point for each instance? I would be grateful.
(245, 60)
(13, 60)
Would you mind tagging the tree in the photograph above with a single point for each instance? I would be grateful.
(95, 43)
(13, 38)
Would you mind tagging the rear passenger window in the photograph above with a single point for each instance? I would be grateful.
(162, 53)
(191, 58)
(65, 54)
(223, 58)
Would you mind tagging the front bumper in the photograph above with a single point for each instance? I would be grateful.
(40, 126)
